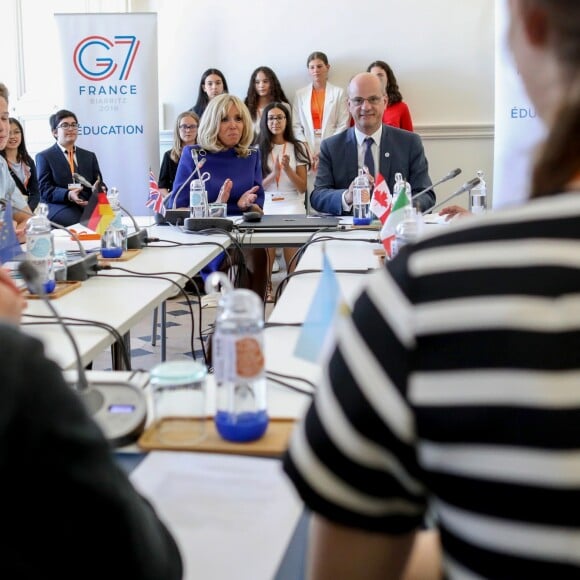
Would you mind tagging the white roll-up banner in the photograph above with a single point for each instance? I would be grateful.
(518, 130)
(110, 83)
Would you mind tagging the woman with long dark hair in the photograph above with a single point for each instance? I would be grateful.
(212, 83)
(264, 88)
(284, 171)
(397, 112)
(20, 164)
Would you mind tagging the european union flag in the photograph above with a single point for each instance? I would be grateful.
(9, 246)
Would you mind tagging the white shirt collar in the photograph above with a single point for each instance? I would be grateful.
(360, 136)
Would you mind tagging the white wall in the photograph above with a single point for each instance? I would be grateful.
(442, 53)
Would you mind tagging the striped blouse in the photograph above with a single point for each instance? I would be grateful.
(456, 383)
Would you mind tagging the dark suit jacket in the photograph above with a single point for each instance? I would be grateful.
(58, 472)
(54, 175)
(400, 152)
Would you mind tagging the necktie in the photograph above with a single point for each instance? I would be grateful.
(368, 158)
(71, 161)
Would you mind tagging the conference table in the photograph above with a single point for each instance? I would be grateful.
(232, 515)
(255, 526)
(116, 298)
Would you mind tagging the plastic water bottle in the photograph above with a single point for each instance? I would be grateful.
(197, 199)
(117, 223)
(401, 185)
(361, 200)
(478, 196)
(40, 247)
(408, 231)
(238, 361)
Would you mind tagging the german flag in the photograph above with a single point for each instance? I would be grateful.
(98, 213)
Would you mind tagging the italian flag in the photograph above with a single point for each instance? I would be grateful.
(395, 217)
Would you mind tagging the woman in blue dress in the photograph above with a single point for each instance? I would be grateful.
(234, 172)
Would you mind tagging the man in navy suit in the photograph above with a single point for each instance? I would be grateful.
(55, 166)
(392, 150)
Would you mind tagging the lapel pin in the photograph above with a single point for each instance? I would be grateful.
(387, 154)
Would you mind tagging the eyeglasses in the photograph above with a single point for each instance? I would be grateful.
(276, 118)
(66, 126)
(358, 101)
(187, 127)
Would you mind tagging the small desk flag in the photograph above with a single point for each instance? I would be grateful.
(316, 331)
(381, 201)
(395, 216)
(98, 213)
(9, 246)
(155, 199)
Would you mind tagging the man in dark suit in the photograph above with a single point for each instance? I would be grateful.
(391, 150)
(55, 166)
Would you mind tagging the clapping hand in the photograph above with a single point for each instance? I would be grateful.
(247, 199)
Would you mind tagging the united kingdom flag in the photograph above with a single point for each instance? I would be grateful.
(155, 199)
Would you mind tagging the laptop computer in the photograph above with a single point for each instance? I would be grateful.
(290, 222)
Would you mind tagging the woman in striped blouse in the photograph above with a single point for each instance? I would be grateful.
(454, 384)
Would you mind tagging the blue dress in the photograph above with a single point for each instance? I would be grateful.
(245, 173)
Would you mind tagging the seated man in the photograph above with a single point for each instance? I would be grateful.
(56, 165)
(391, 151)
(69, 511)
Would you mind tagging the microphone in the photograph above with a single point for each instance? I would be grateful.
(118, 407)
(84, 268)
(197, 165)
(467, 186)
(137, 239)
(451, 175)
(197, 162)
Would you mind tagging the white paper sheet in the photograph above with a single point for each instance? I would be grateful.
(232, 516)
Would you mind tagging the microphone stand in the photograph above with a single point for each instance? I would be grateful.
(197, 165)
(451, 175)
(468, 186)
(138, 239)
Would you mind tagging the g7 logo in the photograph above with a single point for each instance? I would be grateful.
(92, 66)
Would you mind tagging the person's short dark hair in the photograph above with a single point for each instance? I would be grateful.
(57, 117)
(317, 54)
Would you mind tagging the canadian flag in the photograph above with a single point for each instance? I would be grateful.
(382, 200)
(381, 205)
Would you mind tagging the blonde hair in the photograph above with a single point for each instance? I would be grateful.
(209, 127)
(177, 141)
